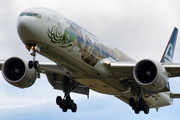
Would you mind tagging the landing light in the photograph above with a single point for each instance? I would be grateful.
(33, 47)
(107, 64)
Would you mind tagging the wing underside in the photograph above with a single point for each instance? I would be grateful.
(55, 74)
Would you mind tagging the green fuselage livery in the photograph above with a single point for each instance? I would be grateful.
(90, 48)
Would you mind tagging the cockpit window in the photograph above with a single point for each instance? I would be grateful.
(22, 14)
(31, 14)
(35, 14)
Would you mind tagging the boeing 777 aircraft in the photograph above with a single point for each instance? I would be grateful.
(81, 62)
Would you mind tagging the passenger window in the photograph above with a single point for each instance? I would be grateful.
(37, 15)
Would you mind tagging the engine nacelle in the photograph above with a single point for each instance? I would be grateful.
(16, 72)
(151, 75)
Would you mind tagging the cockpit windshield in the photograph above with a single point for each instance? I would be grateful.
(31, 14)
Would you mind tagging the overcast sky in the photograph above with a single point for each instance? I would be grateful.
(139, 28)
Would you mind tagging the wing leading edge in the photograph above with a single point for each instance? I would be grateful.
(121, 70)
(124, 70)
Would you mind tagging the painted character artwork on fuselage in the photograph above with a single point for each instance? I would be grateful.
(90, 48)
(57, 36)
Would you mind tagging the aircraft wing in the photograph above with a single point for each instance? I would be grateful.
(45, 67)
(52, 69)
(173, 69)
(121, 70)
(124, 70)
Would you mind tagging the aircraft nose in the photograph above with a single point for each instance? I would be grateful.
(24, 28)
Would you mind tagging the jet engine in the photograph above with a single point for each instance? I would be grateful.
(16, 72)
(151, 75)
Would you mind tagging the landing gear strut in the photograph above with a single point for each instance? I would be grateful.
(139, 104)
(67, 103)
(33, 63)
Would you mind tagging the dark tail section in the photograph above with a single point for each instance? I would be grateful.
(169, 51)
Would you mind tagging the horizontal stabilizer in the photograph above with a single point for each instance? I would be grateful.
(174, 95)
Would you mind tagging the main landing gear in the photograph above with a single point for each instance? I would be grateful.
(33, 63)
(139, 104)
(67, 103)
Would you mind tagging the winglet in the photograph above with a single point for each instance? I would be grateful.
(169, 51)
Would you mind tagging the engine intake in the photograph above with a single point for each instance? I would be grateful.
(146, 72)
(151, 75)
(16, 72)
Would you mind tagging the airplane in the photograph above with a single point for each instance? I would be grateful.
(81, 61)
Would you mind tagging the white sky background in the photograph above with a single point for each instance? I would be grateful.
(139, 28)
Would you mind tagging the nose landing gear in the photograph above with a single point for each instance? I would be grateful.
(33, 63)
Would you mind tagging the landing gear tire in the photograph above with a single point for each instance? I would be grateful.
(58, 100)
(134, 107)
(72, 104)
(139, 105)
(66, 103)
(74, 108)
(131, 101)
(30, 64)
(36, 64)
(64, 109)
(137, 110)
(146, 109)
